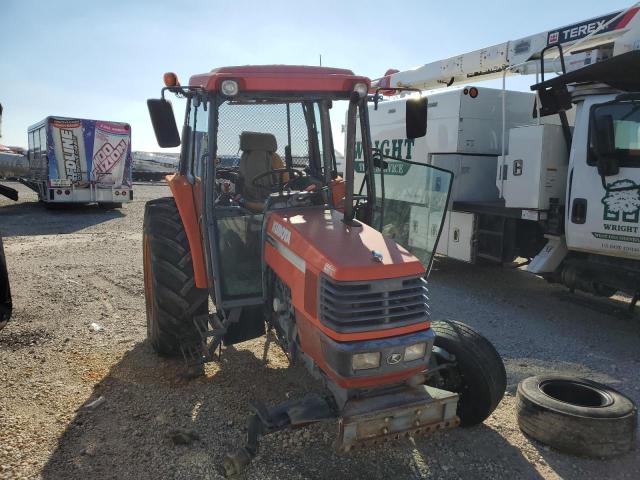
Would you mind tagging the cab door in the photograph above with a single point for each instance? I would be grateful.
(599, 220)
(413, 211)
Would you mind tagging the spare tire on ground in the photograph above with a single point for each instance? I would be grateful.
(576, 415)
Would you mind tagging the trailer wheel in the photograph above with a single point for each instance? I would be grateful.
(576, 415)
(172, 299)
(475, 371)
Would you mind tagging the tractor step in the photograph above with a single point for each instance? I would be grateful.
(385, 417)
(211, 331)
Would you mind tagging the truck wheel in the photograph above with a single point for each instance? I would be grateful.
(476, 371)
(172, 299)
(576, 416)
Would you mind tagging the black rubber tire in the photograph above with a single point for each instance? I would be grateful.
(5, 289)
(172, 299)
(562, 423)
(484, 379)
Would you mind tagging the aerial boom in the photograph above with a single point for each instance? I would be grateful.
(582, 43)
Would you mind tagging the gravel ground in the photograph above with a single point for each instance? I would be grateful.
(73, 267)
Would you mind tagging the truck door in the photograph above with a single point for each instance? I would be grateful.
(603, 221)
(413, 211)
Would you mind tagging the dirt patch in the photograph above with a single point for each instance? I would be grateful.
(84, 266)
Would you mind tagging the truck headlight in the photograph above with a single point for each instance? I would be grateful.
(365, 361)
(415, 351)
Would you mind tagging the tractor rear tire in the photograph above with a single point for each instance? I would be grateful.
(481, 379)
(172, 299)
(576, 415)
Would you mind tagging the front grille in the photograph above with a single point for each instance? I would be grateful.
(358, 306)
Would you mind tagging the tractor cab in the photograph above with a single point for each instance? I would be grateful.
(259, 139)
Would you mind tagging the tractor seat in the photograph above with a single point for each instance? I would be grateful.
(259, 156)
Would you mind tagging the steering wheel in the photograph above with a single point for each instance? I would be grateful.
(279, 172)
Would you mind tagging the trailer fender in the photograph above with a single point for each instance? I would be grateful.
(185, 195)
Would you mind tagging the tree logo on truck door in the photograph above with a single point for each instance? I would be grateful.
(623, 208)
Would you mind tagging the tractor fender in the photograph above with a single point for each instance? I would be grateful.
(187, 197)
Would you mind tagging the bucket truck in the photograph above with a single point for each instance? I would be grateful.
(552, 176)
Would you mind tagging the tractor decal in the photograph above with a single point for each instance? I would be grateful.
(281, 232)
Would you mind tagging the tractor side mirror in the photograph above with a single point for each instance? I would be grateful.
(416, 120)
(604, 145)
(164, 122)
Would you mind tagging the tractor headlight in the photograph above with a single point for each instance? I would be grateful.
(229, 88)
(415, 351)
(361, 89)
(365, 361)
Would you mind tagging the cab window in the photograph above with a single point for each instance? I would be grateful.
(625, 117)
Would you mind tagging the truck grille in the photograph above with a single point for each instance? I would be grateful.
(358, 306)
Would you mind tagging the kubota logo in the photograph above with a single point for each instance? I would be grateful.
(282, 233)
(394, 358)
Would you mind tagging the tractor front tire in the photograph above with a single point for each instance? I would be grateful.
(477, 373)
(173, 302)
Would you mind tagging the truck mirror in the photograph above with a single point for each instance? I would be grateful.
(416, 117)
(605, 145)
(164, 123)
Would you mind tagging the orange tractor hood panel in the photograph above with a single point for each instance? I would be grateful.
(280, 78)
(327, 244)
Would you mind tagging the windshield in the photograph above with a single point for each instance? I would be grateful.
(294, 139)
(625, 118)
(263, 149)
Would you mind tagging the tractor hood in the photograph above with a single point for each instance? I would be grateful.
(320, 240)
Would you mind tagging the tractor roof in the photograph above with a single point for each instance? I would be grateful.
(280, 78)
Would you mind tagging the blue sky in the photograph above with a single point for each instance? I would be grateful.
(102, 60)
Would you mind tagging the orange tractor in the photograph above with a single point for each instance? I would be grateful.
(262, 224)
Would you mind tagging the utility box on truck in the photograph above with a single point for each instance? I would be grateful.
(80, 161)
(534, 173)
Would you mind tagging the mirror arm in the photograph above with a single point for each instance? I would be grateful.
(375, 98)
(181, 91)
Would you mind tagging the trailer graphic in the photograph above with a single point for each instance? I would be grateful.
(72, 160)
